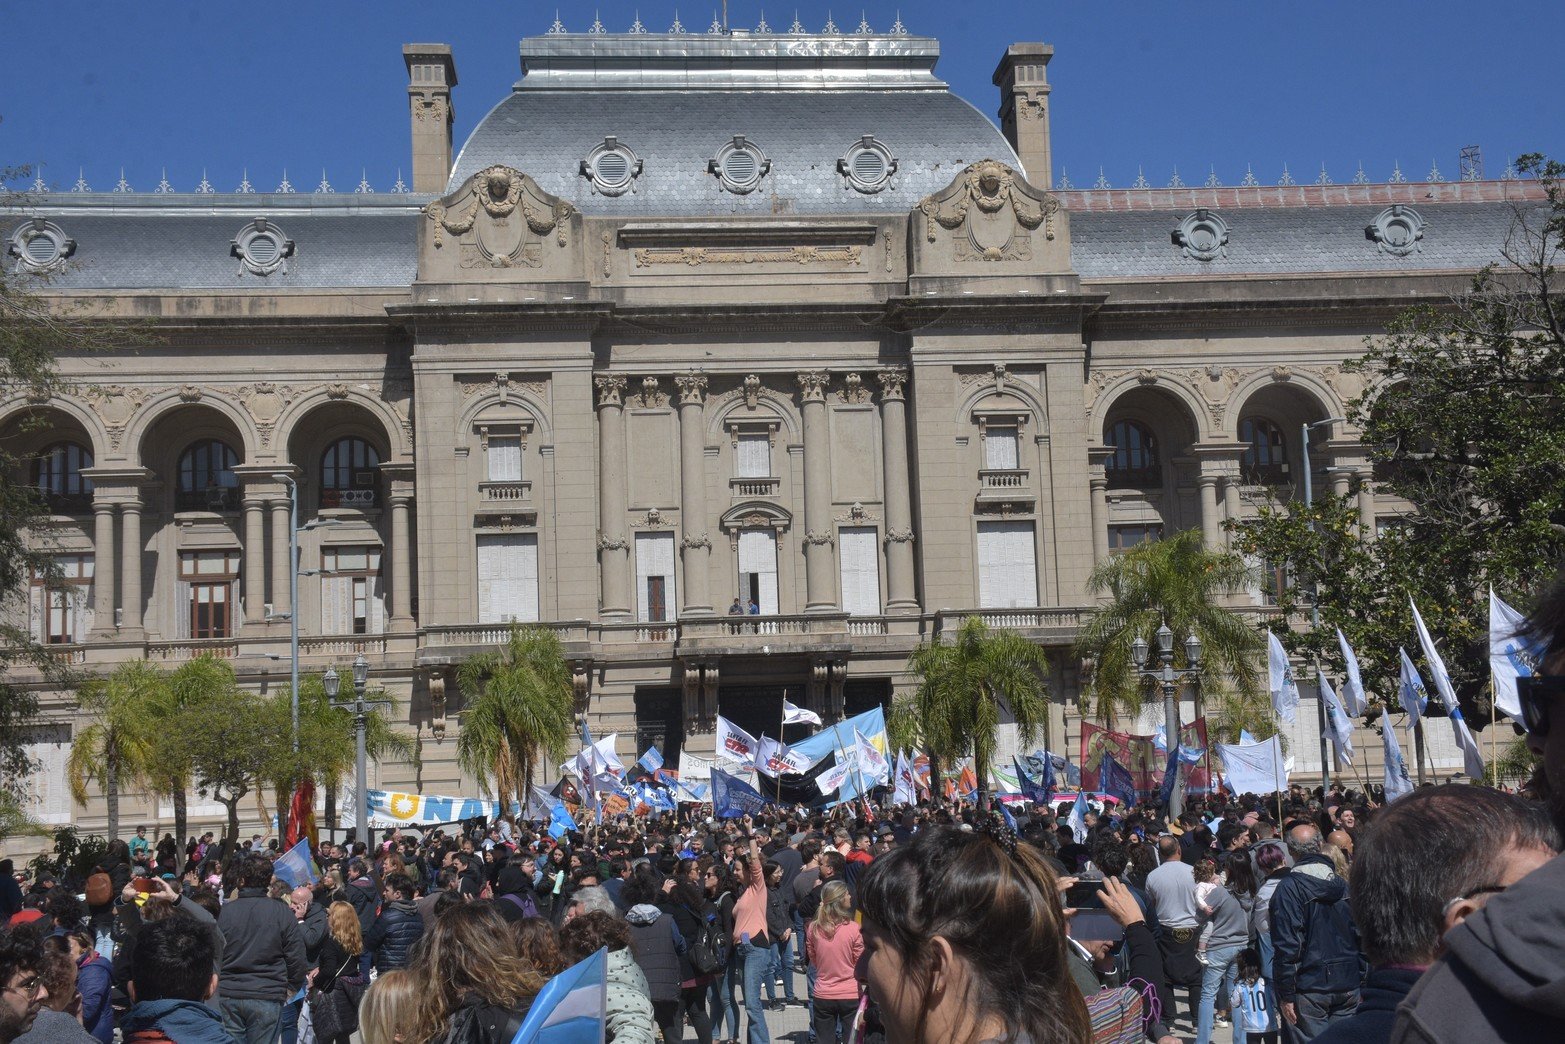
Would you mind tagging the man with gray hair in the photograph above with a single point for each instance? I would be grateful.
(1317, 969)
(592, 899)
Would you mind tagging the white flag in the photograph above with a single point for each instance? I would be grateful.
(1078, 818)
(906, 791)
(798, 715)
(1353, 685)
(1285, 691)
(1472, 759)
(1339, 727)
(735, 744)
(1397, 781)
(1410, 687)
(1254, 768)
(1512, 654)
(873, 766)
(773, 757)
(835, 776)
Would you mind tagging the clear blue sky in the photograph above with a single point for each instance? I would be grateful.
(305, 85)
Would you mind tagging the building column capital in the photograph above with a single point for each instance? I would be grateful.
(611, 389)
(692, 388)
(892, 380)
(812, 385)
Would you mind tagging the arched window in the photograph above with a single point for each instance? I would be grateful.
(1265, 455)
(206, 477)
(1135, 461)
(57, 475)
(349, 474)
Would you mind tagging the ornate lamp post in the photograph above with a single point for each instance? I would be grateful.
(361, 709)
(1166, 675)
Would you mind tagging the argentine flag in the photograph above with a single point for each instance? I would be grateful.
(1472, 759)
(1512, 654)
(572, 1007)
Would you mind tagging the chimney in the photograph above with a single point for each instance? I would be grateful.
(1022, 77)
(431, 75)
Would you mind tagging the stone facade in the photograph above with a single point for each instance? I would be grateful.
(873, 418)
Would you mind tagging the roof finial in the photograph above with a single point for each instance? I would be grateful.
(205, 188)
(1102, 182)
(1397, 177)
(122, 185)
(762, 29)
(401, 187)
(81, 182)
(1323, 178)
(864, 29)
(558, 28)
(1141, 181)
(1286, 179)
(39, 185)
(1435, 177)
(244, 183)
(678, 28)
(1359, 177)
(1509, 173)
(286, 186)
(597, 28)
(325, 186)
(364, 183)
(897, 28)
(636, 28)
(830, 28)
(164, 188)
(1249, 178)
(797, 28)
(716, 28)
(1211, 178)
(1065, 182)
(1176, 181)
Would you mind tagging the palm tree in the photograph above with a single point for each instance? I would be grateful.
(1179, 582)
(518, 704)
(115, 747)
(326, 742)
(168, 767)
(966, 684)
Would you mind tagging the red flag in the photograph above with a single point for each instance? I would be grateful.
(301, 815)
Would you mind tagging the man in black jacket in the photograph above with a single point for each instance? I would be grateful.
(1317, 969)
(263, 957)
(398, 927)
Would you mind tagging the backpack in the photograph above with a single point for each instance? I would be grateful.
(1116, 1015)
(708, 951)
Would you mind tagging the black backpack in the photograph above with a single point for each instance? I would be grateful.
(708, 951)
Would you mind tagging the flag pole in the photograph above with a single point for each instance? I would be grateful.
(782, 722)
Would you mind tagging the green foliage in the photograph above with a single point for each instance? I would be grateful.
(14, 820)
(114, 747)
(74, 854)
(1465, 420)
(517, 706)
(964, 685)
(1179, 582)
(1513, 763)
(327, 745)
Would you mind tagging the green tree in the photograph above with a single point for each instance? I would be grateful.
(168, 768)
(114, 747)
(1179, 582)
(517, 706)
(965, 685)
(327, 746)
(228, 738)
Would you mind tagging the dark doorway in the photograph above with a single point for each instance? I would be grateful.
(660, 723)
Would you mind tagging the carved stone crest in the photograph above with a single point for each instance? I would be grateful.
(752, 391)
(650, 397)
(853, 390)
(996, 210)
(498, 217)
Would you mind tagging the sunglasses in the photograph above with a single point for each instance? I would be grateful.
(1535, 694)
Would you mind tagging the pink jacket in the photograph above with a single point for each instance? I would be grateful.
(835, 958)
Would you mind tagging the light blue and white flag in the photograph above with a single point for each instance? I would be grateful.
(874, 769)
(1285, 691)
(1512, 654)
(1246, 738)
(1397, 781)
(296, 866)
(1472, 759)
(1352, 685)
(560, 821)
(652, 760)
(572, 1007)
(906, 792)
(1410, 688)
(1078, 818)
(1254, 768)
(1339, 727)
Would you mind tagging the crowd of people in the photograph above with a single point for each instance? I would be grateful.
(1306, 916)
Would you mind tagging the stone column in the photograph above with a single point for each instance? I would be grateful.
(901, 596)
(613, 548)
(282, 578)
(1341, 481)
(1231, 508)
(1211, 513)
(1098, 483)
(696, 547)
(819, 588)
(1366, 477)
(401, 565)
(102, 567)
(255, 560)
(130, 568)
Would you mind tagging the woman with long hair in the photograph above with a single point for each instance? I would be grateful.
(964, 942)
(833, 944)
(340, 957)
(692, 912)
(753, 944)
(390, 1008)
(723, 890)
(471, 973)
(539, 945)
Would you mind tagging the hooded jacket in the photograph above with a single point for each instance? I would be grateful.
(182, 1021)
(395, 931)
(657, 944)
(1315, 945)
(629, 1009)
(1503, 975)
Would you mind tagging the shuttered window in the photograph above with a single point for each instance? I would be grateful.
(758, 569)
(655, 576)
(1007, 567)
(753, 456)
(505, 458)
(1000, 450)
(860, 570)
(508, 578)
(352, 600)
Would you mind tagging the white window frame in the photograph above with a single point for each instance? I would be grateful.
(1007, 564)
(858, 549)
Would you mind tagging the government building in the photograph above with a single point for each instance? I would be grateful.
(743, 361)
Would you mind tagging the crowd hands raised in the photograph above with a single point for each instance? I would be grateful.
(1305, 916)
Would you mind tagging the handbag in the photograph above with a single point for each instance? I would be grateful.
(334, 1013)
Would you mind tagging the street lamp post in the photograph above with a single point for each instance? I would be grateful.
(292, 614)
(1309, 499)
(1166, 675)
(361, 709)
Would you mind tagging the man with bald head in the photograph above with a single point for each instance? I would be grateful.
(1317, 969)
(1343, 840)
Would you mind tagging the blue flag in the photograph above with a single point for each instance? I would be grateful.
(1170, 795)
(1115, 779)
(296, 866)
(652, 760)
(732, 797)
(560, 821)
(572, 1007)
(1005, 814)
(1030, 787)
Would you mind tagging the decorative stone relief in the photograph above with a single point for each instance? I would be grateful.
(430, 107)
(899, 536)
(1397, 230)
(650, 397)
(812, 385)
(337, 390)
(857, 515)
(653, 519)
(1202, 236)
(501, 384)
(692, 387)
(608, 543)
(818, 538)
(752, 391)
(115, 405)
(891, 383)
(695, 257)
(853, 390)
(696, 540)
(611, 389)
(189, 393)
(990, 203)
(481, 215)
